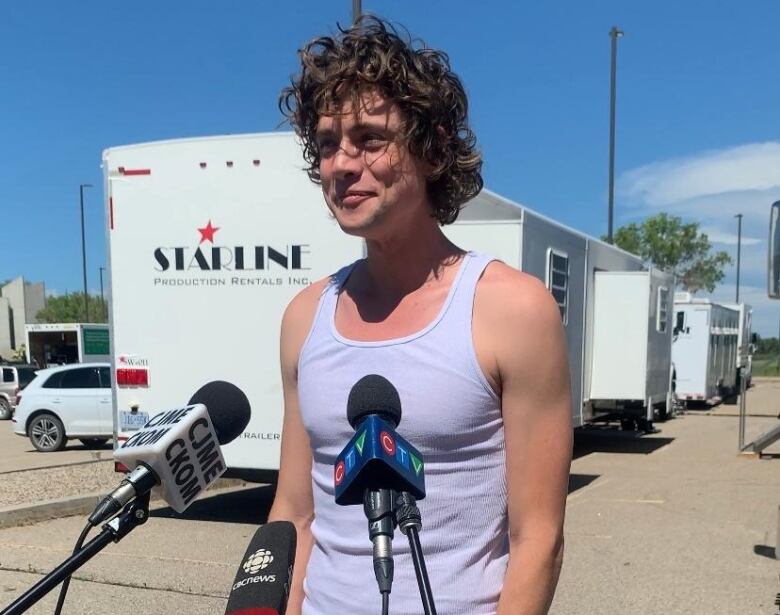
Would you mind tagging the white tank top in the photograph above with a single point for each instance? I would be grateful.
(452, 416)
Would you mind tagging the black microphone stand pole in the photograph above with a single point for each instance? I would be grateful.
(133, 515)
(410, 521)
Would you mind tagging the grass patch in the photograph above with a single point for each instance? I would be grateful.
(766, 366)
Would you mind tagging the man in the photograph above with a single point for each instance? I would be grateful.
(474, 347)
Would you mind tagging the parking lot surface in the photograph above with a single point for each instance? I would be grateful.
(672, 522)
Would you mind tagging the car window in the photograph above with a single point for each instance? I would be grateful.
(8, 374)
(54, 381)
(105, 377)
(80, 378)
(26, 375)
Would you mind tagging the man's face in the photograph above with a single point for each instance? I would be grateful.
(371, 182)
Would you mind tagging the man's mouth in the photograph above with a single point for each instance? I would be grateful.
(353, 198)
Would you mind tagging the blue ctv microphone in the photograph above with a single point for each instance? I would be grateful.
(376, 457)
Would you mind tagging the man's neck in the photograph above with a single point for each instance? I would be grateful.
(404, 264)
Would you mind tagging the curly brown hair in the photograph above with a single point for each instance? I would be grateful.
(372, 55)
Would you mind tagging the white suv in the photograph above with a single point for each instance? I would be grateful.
(71, 401)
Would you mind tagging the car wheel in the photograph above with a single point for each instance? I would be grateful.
(47, 433)
(5, 409)
(93, 442)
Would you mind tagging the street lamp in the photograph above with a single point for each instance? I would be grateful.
(84, 251)
(614, 34)
(739, 248)
(102, 298)
(356, 10)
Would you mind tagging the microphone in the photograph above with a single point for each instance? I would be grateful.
(263, 580)
(179, 450)
(376, 457)
(375, 463)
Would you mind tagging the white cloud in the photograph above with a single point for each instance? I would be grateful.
(747, 168)
(730, 239)
(711, 188)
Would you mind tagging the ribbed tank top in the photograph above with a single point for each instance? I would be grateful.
(451, 414)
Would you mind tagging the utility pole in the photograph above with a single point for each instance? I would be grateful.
(614, 34)
(739, 248)
(356, 11)
(84, 251)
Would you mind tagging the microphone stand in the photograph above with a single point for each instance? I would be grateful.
(134, 514)
(410, 521)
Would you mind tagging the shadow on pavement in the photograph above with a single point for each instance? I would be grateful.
(578, 481)
(250, 505)
(765, 551)
(75, 445)
(610, 439)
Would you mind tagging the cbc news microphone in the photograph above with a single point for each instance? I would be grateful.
(179, 449)
(263, 580)
(376, 463)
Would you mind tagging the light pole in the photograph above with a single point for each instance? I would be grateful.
(102, 298)
(614, 34)
(356, 10)
(739, 248)
(84, 251)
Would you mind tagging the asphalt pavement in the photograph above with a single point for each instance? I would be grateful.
(672, 522)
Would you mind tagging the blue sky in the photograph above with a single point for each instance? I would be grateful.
(698, 129)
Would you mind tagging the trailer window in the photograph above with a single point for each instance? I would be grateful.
(662, 314)
(558, 280)
(8, 374)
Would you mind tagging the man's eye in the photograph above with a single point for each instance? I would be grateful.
(373, 141)
(326, 147)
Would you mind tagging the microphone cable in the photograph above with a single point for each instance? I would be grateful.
(66, 582)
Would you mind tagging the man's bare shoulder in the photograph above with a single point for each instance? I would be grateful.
(303, 306)
(509, 295)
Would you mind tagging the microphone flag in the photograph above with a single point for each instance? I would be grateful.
(181, 446)
(377, 455)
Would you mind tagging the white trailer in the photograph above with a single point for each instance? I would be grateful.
(745, 344)
(209, 239)
(50, 344)
(569, 263)
(704, 349)
(632, 345)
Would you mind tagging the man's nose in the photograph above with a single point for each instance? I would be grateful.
(348, 160)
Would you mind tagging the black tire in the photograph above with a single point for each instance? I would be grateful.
(644, 425)
(662, 412)
(5, 409)
(93, 442)
(47, 433)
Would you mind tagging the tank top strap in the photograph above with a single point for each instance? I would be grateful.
(459, 312)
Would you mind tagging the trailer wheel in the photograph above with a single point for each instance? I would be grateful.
(645, 426)
(5, 409)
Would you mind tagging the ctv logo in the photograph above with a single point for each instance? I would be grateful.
(399, 453)
(389, 445)
(346, 465)
(233, 258)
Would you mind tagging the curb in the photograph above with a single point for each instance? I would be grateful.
(27, 514)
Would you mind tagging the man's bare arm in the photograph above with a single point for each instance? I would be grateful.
(294, 501)
(529, 348)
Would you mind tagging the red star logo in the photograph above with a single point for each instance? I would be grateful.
(207, 232)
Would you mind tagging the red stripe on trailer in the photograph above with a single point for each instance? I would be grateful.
(111, 213)
(125, 171)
